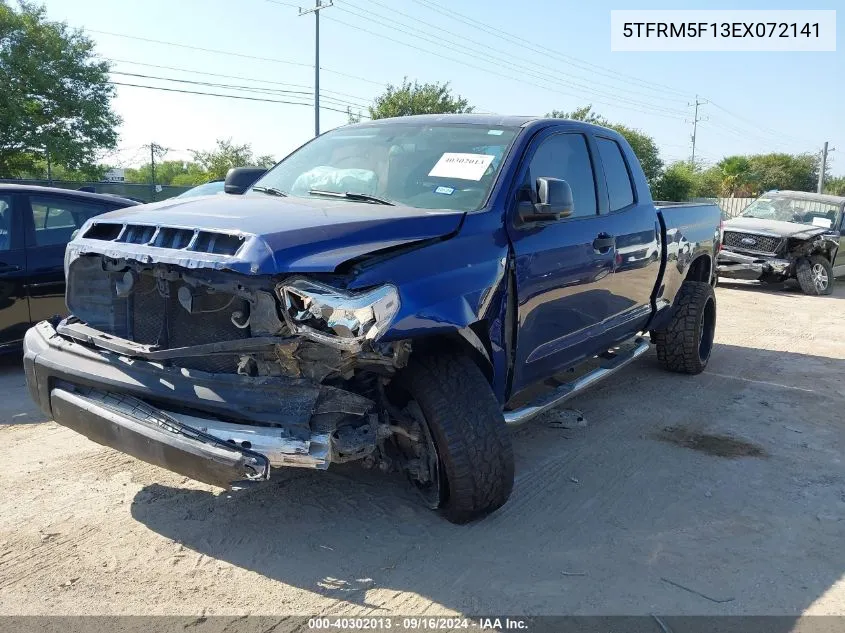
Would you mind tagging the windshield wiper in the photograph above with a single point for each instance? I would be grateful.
(272, 191)
(351, 195)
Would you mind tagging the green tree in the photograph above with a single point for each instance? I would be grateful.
(643, 145)
(737, 176)
(677, 183)
(415, 98)
(835, 186)
(54, 93)
(226, 155)
(785, 171)
(709, 183)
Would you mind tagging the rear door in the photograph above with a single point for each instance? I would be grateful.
(52, 219)
(635, 228)
(14, 307)
(562, 266)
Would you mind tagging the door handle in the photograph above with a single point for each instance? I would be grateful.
(603, 242)
(9, 269)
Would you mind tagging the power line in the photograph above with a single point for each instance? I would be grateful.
(617, 100)
(669, 114)
(364, 101)
(509, 56)
(232, 54)
(769, 131)
(215, 94)
(521, 41)
(242, 88)
(662, 88)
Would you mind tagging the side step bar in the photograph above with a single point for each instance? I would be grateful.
(569, 389)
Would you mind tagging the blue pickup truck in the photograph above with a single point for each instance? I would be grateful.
(395, 292)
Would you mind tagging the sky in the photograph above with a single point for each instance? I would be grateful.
(525, 58)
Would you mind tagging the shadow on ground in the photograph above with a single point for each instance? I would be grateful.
(607, 519)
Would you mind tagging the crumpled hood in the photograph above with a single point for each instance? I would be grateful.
(775, 228)
(278, 235)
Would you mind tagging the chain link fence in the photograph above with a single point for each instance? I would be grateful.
(136, 191)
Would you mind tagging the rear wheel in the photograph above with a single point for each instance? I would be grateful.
(471, 473)
(686, 343)
(815, 275)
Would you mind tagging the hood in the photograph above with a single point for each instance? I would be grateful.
(259, 234)
(775, 228)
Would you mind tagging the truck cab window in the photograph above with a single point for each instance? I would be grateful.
(620, 190)
(566, 156)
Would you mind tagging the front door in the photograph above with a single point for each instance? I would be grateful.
(14, 307)
(563, 267)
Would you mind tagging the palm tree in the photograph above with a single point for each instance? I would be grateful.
(736, 174)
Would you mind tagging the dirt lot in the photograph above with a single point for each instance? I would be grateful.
(638, 512)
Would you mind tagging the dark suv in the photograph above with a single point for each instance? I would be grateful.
(36, 223)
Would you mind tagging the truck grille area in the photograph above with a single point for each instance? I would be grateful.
(153, 311)
(752, 243)
(167, 237)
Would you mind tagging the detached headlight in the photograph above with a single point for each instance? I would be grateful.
(337, 317)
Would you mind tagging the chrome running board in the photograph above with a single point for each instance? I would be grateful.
(569, 389)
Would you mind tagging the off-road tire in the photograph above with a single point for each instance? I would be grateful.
(685, 344)
(807, 270)
(466, 422)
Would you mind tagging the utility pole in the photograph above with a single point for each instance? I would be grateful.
(318, 6)
(820, 188)
(695, 120)
(153, 172)
(155, 149)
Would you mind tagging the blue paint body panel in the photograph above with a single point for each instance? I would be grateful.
(539, 295)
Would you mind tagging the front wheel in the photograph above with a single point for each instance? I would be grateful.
(685, 344)
(474, 458)
(815, 275)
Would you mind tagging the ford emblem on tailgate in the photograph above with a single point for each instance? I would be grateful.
(749, 241)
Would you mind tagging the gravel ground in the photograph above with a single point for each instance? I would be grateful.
(620, 516)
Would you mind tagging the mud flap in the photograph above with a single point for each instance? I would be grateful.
(133, 427)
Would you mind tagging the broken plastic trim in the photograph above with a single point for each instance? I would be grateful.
(336, 317)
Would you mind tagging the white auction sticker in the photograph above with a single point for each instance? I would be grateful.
(463, 166)
(723, 30)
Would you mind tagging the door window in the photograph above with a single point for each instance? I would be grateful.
(56, 218)
(620, 189)
(567, 157)
(5, 223)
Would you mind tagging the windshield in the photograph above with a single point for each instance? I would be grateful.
(796, 210)
(208, 189)
(424, 166)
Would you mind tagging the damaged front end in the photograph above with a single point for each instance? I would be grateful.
(768, 257)
(220, 375)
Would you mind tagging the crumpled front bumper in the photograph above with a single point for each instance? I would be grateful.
(136, 406)
(738, 266)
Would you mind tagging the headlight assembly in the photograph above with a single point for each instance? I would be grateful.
(337, 317)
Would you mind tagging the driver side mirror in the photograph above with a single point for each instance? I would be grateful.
(239, 179)
(553, 201)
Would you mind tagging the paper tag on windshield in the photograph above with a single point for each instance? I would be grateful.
(825, 223)
(463, 166)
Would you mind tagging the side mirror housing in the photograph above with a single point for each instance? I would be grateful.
(239, 179)
(553, 201)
